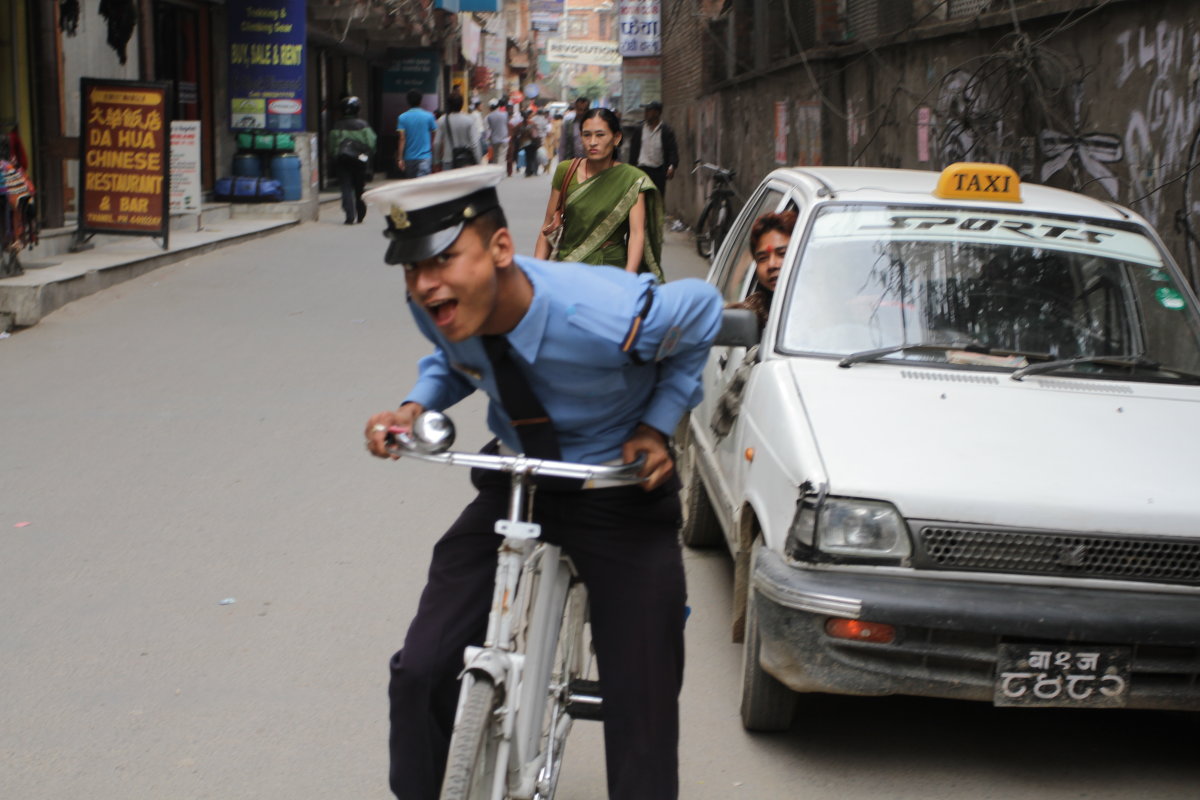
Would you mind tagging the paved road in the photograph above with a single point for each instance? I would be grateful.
(213, 574)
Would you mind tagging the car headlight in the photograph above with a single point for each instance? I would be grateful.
(844, 527)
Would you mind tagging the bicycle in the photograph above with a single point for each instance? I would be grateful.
(717, 216)
(529, 680)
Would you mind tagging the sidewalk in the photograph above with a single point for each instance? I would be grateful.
(52, 279)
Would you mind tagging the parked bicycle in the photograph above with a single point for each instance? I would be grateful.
(718, 214)
(532, 676)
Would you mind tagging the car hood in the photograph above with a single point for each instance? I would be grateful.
(969, 446)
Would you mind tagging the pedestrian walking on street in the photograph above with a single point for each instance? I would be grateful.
(514, 121)
(612, 213)
(570, 143)
(457, 145)
(552, 139)
(653, 150)
(415, 127)
(497, 126)
(352, 150)
(602, 392)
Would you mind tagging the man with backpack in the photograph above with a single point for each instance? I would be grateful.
(352, 148)
(457, 144)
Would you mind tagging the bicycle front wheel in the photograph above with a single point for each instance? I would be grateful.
(714, 224)
(471, 768)
(572, 661)
(704, 244)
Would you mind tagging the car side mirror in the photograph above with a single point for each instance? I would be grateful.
(739, 328)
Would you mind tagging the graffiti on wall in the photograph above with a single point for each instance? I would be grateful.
(1088, 153)
(1159, 135)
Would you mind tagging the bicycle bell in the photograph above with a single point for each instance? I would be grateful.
(432, 433)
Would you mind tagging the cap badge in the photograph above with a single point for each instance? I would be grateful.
(469, 212)
(399, 218)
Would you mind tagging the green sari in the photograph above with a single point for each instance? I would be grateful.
(597, 217)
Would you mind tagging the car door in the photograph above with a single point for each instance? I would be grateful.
(732, 274)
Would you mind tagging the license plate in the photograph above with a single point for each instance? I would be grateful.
(1062, 676)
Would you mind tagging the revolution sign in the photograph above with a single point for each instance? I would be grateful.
(123, 158)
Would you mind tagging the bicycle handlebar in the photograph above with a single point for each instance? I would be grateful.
(720, 172)
(433, 434)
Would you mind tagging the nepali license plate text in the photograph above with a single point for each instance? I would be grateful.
(1062, 676)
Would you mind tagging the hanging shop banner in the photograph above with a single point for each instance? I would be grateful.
(574, 51)
(545, 15)
(123, 157)
(781, 131)
(493, 53)
(639, 28)
(185, 166)
(410, 69)
(641, 83)
(266, 64)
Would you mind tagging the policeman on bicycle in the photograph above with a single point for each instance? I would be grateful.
(579, 363)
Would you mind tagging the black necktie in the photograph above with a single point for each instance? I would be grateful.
(530, 419)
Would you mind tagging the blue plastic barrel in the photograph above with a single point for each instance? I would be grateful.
(285, 168)
(247, 165)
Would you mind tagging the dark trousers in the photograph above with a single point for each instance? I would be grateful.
(658, 175)
(531, 157)
(353, 179)
(623, 542)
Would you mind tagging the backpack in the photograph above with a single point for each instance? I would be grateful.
(352, 148)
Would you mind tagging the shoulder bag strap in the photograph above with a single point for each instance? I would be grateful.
(562, 192)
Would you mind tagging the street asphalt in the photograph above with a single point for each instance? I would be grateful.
(203, 575)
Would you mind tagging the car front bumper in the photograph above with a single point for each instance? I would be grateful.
(948, 632)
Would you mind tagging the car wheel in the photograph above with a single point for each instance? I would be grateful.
(767, 704)
(701, 529)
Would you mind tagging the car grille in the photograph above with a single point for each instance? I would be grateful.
(1062, 554)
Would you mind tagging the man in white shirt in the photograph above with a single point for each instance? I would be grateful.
(653, 149)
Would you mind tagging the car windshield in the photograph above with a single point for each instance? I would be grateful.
(961, 286)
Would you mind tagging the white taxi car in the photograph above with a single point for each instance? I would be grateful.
(963, 459)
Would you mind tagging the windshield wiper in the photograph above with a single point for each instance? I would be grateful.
(1130, 362)
(883, 352)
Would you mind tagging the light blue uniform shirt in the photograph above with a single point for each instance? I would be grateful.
(418, 126)
(568, 344)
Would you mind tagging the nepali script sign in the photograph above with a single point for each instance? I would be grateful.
(571, 51)
(640, 33)
(123, 158)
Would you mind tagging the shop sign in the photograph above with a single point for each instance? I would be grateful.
(639, 28)
(185, 166)
(266, 64)
(545, 15)
(574, 51)
(123, 158)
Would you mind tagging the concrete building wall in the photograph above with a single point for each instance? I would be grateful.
(1093, 97)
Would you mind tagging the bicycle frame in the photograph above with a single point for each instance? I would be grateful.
(531, 595)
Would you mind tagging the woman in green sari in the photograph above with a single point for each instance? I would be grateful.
(613, 212)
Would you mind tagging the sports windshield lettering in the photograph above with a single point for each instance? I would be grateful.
(986, 227)
(977, 287)
(1031, 230)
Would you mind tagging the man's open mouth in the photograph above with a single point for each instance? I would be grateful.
(442, 311)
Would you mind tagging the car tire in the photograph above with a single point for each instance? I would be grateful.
(700, 529)
(767, 704)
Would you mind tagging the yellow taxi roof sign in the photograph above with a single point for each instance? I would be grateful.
(972, 180)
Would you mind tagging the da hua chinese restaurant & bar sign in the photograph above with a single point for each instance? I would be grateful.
(123, 161)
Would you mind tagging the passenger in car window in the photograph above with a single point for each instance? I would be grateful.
(769, 237)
